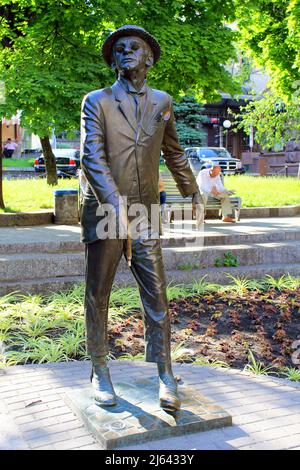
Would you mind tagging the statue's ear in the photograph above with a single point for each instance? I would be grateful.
(150, 59)
(113, 64)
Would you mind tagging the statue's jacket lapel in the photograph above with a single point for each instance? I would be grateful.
(124, 105)
(152, 115)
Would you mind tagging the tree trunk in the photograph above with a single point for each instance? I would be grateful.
(50, 162)
(2, 205)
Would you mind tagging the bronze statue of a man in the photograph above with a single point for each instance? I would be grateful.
(123, 130)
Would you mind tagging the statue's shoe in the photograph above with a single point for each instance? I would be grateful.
(104, 393)
(168, 393)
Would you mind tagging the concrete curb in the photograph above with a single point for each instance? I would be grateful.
(10, 219)
(213, 275)
(11, 169)
(43, 217)
(252, 212)
(282, 211)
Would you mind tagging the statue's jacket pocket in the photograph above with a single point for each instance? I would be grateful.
(158, 121)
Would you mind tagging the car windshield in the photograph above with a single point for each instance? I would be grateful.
(213, 153)
(64, 153)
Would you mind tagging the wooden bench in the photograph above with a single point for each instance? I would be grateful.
(174, 199)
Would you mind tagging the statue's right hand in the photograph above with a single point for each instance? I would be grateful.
(118, 210)
(121, 221)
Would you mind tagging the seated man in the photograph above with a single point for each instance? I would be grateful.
(210, 184)
(9, 148)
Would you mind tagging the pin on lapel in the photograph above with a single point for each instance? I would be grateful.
(163, 115)
(166, 115)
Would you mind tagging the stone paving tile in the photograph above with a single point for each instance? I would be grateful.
(266, 411)
(277, 433)
(89, 447)
(258, 407)
(74, 443)
(48, 447)
(272, 423)
(242, 420)
(36, 424)
(288, 442)
(51, 429)
(45, 439)
(277, 412)
(78, 432)
(270, 445)
(10, 436)
(19, 409)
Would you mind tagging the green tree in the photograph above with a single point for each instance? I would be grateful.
(49, 60)
(196, 43)
(51, 54)
(189, 117)
(270, 33)
(275, 121)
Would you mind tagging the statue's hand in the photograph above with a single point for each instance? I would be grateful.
(121, 221)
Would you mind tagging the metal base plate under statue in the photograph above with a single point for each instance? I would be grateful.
(137, 417)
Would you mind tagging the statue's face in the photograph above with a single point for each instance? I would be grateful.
(131, 53)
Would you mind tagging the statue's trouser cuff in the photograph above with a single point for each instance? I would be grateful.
(102, 259)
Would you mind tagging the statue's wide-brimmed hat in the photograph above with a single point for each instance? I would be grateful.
(130, 30)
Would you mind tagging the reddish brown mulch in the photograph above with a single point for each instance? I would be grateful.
(223, 326)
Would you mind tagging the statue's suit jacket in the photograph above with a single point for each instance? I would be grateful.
(114, 148)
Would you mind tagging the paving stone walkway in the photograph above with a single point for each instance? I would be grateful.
(70, 233)
(34, 415)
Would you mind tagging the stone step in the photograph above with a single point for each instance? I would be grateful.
(247, 254)
(42, 247)
(214, 275)
(52, 265)
(171, 238)
(209, 239)
(40, 265)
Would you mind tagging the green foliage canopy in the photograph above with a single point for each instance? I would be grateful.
(270, 33)
(51, 52)
(275, 122)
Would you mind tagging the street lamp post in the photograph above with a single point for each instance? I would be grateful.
(226, 125)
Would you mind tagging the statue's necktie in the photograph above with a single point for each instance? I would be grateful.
(137, 101)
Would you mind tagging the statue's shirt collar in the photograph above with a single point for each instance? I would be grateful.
(129, 88)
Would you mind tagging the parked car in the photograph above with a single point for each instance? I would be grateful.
(199, 157)
(67, 161)
(31, 153)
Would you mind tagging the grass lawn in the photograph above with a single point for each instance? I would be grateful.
(210, 325)
(255, 191)
(18, 162)
(32, 194)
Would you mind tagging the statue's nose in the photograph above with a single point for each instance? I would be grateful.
(127, 49)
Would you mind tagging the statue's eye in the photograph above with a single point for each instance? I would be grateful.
(135, 46)
(119, 49)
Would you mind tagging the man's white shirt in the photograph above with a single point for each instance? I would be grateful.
(206, 182)
(11, 146)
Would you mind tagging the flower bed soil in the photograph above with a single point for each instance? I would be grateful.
(223, 326)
